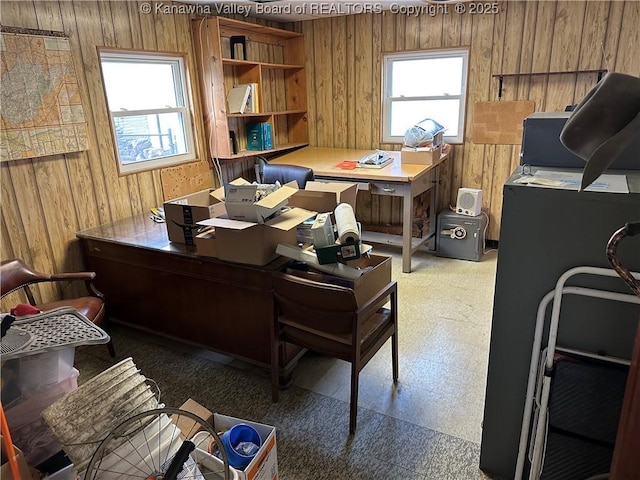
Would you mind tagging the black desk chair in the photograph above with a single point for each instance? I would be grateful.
(284, 173)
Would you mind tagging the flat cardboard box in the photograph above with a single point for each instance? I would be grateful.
(187, 426)
(264, 465)
(421, 156)
(325, 196)
(366, 286)
(240, 205)
(183, 213)
(5, 469)
(206, 244)
(254, 243)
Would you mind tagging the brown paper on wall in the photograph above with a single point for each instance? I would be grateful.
(500, 123)
(185, 179)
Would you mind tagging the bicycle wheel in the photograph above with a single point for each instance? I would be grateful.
(151, 446)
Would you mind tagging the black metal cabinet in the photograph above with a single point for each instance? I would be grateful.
(544, 232)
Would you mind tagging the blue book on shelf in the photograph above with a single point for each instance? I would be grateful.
(259, 136)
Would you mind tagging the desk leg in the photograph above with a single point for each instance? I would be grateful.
(407, 231)
(433, 210)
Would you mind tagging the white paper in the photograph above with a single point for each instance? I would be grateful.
(610, 183)
(346, 223)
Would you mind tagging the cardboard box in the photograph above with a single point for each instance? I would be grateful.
(421, 156)
(254, 243)
(187, 426)
(366, 286)
(264, 465)
(5, 469)
(182, 215)
(325, 196)
(240, 204)
(206, 244)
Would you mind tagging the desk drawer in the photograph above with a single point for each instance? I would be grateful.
(388, 188)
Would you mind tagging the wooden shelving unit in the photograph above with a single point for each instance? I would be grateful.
(274, 60)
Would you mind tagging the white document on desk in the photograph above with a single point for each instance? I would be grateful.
(610, 183)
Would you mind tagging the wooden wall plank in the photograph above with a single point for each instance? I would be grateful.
(565, 47)
(594, 31)
(363, 93)
(339, 87)
(309, 46)
(627, 52)
(324, 81)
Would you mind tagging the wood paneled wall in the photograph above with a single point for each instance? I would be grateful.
(344, 73)
(46, 200)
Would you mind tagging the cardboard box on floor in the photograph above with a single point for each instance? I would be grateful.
(421, 156)
(188, 426)
(5, 469)
(325, 196)
(248, 242)
(367, 285)
(240, 204)
(182, 214)
(264, 465)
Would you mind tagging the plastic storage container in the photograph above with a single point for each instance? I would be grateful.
(28, 430)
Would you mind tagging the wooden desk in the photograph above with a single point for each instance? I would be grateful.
(397, 180)
(166, 288)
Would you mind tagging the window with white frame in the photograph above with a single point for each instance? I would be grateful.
(147, 99)
(424, 84)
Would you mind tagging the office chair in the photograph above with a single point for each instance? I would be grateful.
(327, 319)
(269, 173)
(16, 275)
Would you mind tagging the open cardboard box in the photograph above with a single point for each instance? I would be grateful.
(182, 214)
(5, 469)
(240, 204)
(366, 286)
(249, 242)
(264, 465)
(325, 196)
(421, 156)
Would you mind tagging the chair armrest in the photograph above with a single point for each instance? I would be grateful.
(86, 276)
(371, 306)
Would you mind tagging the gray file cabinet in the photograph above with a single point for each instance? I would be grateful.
(544, 232)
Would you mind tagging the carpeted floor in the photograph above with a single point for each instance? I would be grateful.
(397, 437)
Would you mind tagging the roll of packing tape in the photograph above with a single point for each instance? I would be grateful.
(348, 231)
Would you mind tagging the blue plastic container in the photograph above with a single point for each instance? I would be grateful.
(237, 434)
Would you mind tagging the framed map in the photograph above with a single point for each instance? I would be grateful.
(42, 110)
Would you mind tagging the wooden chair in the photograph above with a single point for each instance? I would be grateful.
(327, 319)
(16, 275)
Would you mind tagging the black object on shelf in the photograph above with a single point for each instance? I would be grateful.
(241, 53)
(234, 142)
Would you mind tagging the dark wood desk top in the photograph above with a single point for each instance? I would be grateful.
(142, 232)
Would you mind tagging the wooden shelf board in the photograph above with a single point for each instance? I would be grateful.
(249, 63)
(266, 114)
(230, 26)
(253, 153)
